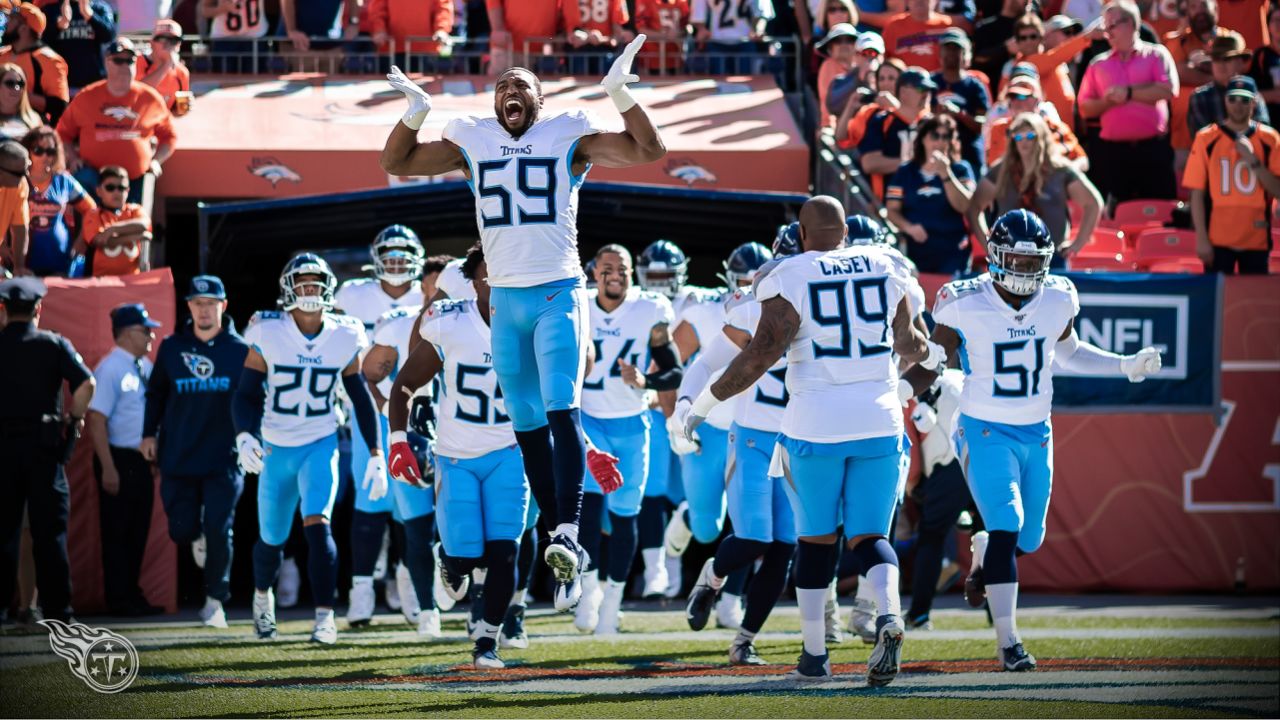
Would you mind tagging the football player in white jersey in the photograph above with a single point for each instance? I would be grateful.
(704, 464)
(286, 395)
(525, 171)
(839, 313)
(480, 483)
(630, 328)
(763, 523)
(397, 263)
(1008, 327)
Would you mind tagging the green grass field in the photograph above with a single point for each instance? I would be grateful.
(1158, 661)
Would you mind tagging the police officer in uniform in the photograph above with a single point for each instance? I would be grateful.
(36, 437)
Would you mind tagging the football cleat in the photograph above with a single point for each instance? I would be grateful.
(444, 601)
(655, 580)
(975, 589)
(675, 571)
(831, 616)
(745, 654)
(886, 656)
(486, 660)
(568, 582)
(678, 534)
(702, 598)
(290, 580)
(812, 668)
(587, 614)
(921, 623)
(212, 614)
(361, 602)
(455, 586)
(264, 615)
(1017, 659)
(325, 631)
(862, 620)
(199, 551)
(429, 624)
(513, 634)
(729, 612)
(610, 608)
(409, 606)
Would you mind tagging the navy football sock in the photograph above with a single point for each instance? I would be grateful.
(589, 532)
(569, 453)
(928, 567)
(622, 546)
(266, 564)
(737, 581)
(322, 563)
(735, 554)
(814, 565)
(767, 585)
(875, 551)
(524, 560)
(652, 523)
(417, 557)
(366, 540)
(998, 563)
(499, 580)
(535, 450)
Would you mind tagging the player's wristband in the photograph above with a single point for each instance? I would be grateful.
(621, 97)
(705, 403)
(413, 120)
(936, 360)
(398, 436)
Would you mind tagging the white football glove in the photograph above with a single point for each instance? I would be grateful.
(249, 452)
(1142, 365)
(419, 100)
(680, 445)
(375, 478)
(615, 83)
(905, 392)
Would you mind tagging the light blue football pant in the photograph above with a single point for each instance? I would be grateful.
(758, 504)
(856, 481)
(1009, 469)
(306, 474)
(481, 499)
(704, 474)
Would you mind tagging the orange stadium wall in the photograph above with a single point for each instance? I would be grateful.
(78, 309)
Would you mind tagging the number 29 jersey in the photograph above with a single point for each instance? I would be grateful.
(303, 374)
(526, 195)
(471, 420)
(1006, 353)
(841, 370)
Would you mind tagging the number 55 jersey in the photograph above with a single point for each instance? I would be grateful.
(303, 374)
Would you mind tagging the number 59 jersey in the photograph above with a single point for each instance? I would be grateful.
(303, 374)
(526, 195)
(761, 406)
(471, 420)
(841, 370)
(1007, 353)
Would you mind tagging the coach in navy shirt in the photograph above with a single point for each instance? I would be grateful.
(189, 404)
(928, 196)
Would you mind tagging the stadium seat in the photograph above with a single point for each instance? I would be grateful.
(1189, 266)
(1104, 251)
(1160, 244)
(1138, 212)
(1105, 263)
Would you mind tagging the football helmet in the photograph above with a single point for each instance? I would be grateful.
(787, 241)
(740, 269)
(662, 268)
(397, 255)
(589, 269)
(290, 283)
(1019, 250)
(864, 230)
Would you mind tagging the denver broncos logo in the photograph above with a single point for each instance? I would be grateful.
(689, 172)
(199, 365)
(273, 171)
(119, 113)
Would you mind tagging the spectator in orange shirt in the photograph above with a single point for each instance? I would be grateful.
(1023, 96)
(45, 69)
(398, 20)
(118, 231)
(15, 215)
(1189, 48)
(1247, 17)
(1029, 34)
(666, 23)
(840, 45)
(513, 22)
(117, 121)
(913, 35)
(164, 69)
(602, 25)
(852, 123)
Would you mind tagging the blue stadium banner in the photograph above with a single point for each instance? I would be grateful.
(1179, 314)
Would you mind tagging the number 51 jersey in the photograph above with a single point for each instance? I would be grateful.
(526, 195)
(303, 374)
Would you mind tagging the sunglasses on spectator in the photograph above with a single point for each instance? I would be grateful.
(123, 60)
(44, 151)
(1028, 135)
(168, 38)
(837, 8)
(1238, 99)
(1026, 38)
(945, 137)
(115, 188)
(1020, 96)
(14, 84)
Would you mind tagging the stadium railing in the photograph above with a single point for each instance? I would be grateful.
(836, 173)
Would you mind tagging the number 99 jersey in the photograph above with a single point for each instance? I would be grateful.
(303, 374)
(471, 420)
(526, 195)
(841, 370)
(1006, 354)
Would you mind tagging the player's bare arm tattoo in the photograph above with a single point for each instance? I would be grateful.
(779, 323)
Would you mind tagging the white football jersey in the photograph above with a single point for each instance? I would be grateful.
(730, 19)
(365, 299)
(471, 419)
(526, 195)
(393, 330)
(453, 283)
(841, 369)
(621, 335)
(703, 309)
(304, 375)
(759, 407)
(1007, 354)
(246, 20)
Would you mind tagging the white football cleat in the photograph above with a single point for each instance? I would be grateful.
(831, 616)
(587, 614)
(212, 614)
(409, 606)
(288, 583)
(325, 631)
(486, 660)
(429, 624)
(360, 602)
(264, 614)
(675, 575)
(678, 535)
(862, 620)
(199, 551)
(655, 573)
(610, 608)
(729, 611)
(391, 593)
(444, 602)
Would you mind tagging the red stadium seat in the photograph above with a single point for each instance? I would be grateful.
(1105, 241)
(1159, 244)
(1104, 251)
(1190, 266)
(1105, 263)
(1139, 212)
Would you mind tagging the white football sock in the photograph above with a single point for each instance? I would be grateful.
(865, 591)
(568, 530)
(813, 622)
(652, 559)
(1003, 599)
(884, 583)
(485, 630)
(979, 546)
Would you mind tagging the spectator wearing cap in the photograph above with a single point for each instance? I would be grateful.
(1128, 89)
(15, 215)
(1022, 95)
(45, 69)
(889, 136)
(851, 126)
(1265, 69)
(1232, 175)
(964, 94)
(118, 121)
(118, 231)
(1050, 61)
(1208, 103)
(36, 438)
(840, 45)
(1193, 49)
(54, 200)
(125, 483)
(80, 31)
(991, 37)
(928, 195)
(187, 429)
(914, 35)
(163, 69)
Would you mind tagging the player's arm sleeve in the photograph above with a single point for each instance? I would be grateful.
(717, 353)
(774, 285)
(1085, 358)
(669, 372)
(247, 402)
(362, 406)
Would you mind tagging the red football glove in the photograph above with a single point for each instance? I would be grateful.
(604, 468)
(402, 464)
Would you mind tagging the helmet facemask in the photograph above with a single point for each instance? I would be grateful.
(662, 278)
(397, 263)
(1019, 268)
(294, 297)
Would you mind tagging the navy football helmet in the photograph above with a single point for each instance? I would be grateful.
(662, 268)
(1019, 250)
(290, 283)
(589, 269)
(787, 241)
(864, 230)
(397, 255)
(740, 269)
